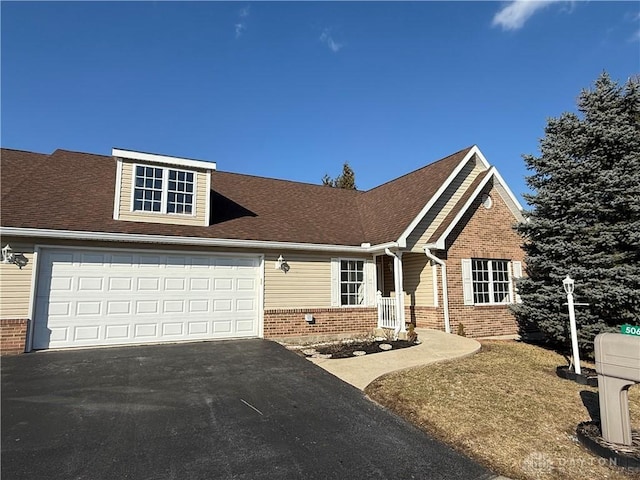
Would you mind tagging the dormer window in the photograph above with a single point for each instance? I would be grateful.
(163, 190)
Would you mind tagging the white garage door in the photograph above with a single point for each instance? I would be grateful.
(95, 297)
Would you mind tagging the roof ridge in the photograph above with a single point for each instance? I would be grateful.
(297, 182)
(23, 151)
(420, 168)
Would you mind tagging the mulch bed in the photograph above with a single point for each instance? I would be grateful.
(588, 376)
(626, 456)
(346, 350)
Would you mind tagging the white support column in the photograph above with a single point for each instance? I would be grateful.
(399, 286)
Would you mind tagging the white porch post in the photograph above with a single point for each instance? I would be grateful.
(399, 287)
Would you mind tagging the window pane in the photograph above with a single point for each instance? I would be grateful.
(172, 174)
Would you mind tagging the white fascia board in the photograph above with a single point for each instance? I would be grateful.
(162, 159)
(116, 197)
(402, 241)
(207, 201)
(380, 248)
(174, 240)
(440, 242)
(512, 197)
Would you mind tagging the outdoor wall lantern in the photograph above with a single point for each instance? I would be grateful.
(16, 258)
(568, 283)
(281, 264)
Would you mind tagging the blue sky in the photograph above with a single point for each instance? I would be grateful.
(294, 89)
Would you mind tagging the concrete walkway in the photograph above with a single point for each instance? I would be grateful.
(435, 346)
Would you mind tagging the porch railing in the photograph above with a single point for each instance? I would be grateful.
(386, 311)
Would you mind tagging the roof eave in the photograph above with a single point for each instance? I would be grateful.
(193, 241)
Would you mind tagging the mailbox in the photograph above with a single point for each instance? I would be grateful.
(618, 367)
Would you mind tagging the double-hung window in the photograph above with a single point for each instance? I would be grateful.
(487, 281)
(163, 190)
(352, 285)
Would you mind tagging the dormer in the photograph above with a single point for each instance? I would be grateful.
(161, 189)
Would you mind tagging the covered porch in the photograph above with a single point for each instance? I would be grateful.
(413, 274)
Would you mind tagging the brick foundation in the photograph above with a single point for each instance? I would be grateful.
(13, 335)
(327, 322)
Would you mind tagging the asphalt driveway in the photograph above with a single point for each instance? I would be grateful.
(245, 409)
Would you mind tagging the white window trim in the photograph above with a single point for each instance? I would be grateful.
(467, 282)
(165, 191)
(368, 277)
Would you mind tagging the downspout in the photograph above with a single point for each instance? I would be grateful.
(445, 295)
(397, 276)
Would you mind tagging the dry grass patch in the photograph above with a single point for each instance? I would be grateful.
(506, 408)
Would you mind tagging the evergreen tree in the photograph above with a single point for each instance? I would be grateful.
(345, 180)
(585, 220)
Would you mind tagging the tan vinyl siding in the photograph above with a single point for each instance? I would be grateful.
(306, 285)
(423, 231)
(418, 280)
(126, 213)
(15, 284)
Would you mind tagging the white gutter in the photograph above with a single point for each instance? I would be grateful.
(176, 240)
(397, 282)
(445, 295)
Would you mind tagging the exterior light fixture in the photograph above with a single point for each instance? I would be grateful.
(16, 258)
(568, 283)
(281, 264)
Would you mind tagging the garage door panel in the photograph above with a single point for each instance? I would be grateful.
(119, 284)
(199, 284)
(119, 307)
(198, 305)
(222, 283)
(173, 306)
(200, 328)
(117, 332)
(89, 284)
(101, 298)
(148, 284)
(88, 333)
(142, 330)
(175, 284)
(84, 308)
(147, 307)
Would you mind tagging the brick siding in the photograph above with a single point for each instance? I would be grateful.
(327, 322)
(481, 233)
(13, 336)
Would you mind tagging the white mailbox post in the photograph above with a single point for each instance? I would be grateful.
(618, 367)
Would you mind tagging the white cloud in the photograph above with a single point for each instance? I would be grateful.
(514, 15)
(327, 39)
(240, 28)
